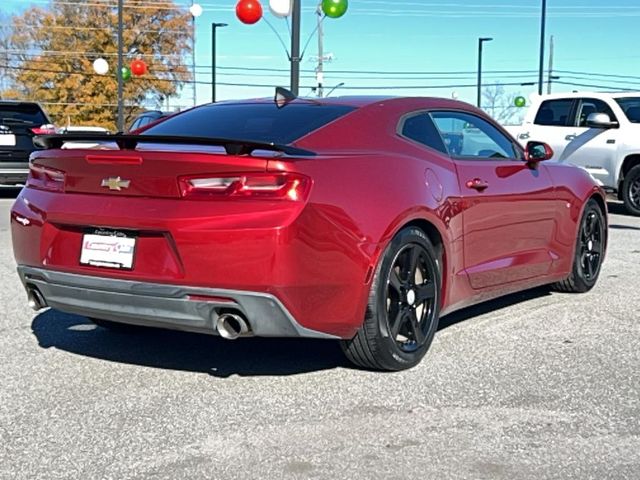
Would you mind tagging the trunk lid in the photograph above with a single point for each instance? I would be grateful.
(141, 173)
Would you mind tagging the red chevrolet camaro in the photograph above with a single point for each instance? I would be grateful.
(357, 218)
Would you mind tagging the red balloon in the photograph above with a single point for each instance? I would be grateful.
(249, 11)
(138, 67)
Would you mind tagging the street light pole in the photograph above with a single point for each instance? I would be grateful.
(295, 47)
(214, 26)
(543, 21)
(480, 42)
(119, 72)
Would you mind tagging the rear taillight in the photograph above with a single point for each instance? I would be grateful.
(45, 178)
(46, 129)
(270, 186)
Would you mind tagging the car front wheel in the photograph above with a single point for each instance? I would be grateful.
(631, 191)
(403, 309)
(589, 254)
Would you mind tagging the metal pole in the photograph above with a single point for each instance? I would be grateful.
(193, 55)
(550, 77)
(295, 47)
(481, 40)
(479, 101)
(320, 69)
(119, 72)
(543, 22)
(214, 26)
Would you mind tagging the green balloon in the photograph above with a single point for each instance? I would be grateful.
(520, 102)
(335, 8)
(126, 73)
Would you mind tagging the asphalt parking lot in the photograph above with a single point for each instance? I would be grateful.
(536, 385)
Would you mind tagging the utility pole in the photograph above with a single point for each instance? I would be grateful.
(543, 22)
(119, 72)
(550, 73)
(480, 42)
(214, 27)
(295, 47)
(319, 69)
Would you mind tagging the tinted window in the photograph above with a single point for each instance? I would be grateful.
(554, 112)
(592, 105)
(421, 129)
(22, 113)
(261, 122)
(631, 108)
(467, 136)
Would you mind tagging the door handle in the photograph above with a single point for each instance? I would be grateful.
(477, 184)
(523, 136)
(571, 137)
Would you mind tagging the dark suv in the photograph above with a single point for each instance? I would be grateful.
(145, 118)
(19, 123)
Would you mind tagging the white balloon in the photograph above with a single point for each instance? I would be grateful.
(195, 10)
(280, 8)
(100, 66)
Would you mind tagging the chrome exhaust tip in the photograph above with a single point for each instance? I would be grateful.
(36, 300)
(231, 326)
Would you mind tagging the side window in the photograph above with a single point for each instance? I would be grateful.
(592, 105)
(554, 112)
(421, 129)
(135, 124)
(469, 137)
(144, 121)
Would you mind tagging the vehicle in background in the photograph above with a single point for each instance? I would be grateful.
(361, 219)
(19, 123)
(597, 131)
(82, 129)
(145, 118)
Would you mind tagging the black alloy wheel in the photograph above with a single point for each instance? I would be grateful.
(590, 250)
(631, 191)
(410, 297)
(404, 306)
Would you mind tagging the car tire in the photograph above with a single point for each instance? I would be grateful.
(403, 307)
(589, 253)
(117, 326)
(631, 191)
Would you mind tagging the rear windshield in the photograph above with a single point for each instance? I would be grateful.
(262, 122)
(22, 113)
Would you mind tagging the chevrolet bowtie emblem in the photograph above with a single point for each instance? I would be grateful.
(115, 183)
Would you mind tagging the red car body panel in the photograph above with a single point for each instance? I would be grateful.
(317, 256)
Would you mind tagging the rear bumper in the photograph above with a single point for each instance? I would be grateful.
(158, 305)
(14, 173)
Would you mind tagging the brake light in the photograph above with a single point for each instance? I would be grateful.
(45, 178)
(46, 129)
(271, 186)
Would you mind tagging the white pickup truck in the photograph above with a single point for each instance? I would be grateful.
(599, 132)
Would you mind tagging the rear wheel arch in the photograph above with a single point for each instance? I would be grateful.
(629, 162)
(437, 240)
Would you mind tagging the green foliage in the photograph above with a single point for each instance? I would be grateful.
(54, 49)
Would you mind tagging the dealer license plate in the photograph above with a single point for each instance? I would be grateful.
(108, 249)
(7, 139)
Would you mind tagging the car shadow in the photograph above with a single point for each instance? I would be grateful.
(492, 306)
(192, 352)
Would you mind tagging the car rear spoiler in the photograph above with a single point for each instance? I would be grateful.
(129, 142)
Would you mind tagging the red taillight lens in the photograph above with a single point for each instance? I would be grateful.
(271, 186)
(46, 129)
(45, 178)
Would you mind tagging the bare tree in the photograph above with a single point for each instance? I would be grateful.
(500, 105)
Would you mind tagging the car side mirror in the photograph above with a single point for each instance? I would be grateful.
(600, 120)
(537, 152)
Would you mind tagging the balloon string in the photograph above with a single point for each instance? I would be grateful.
(311, 36)
(279, 37)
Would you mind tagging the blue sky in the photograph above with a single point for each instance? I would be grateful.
(419, 36)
